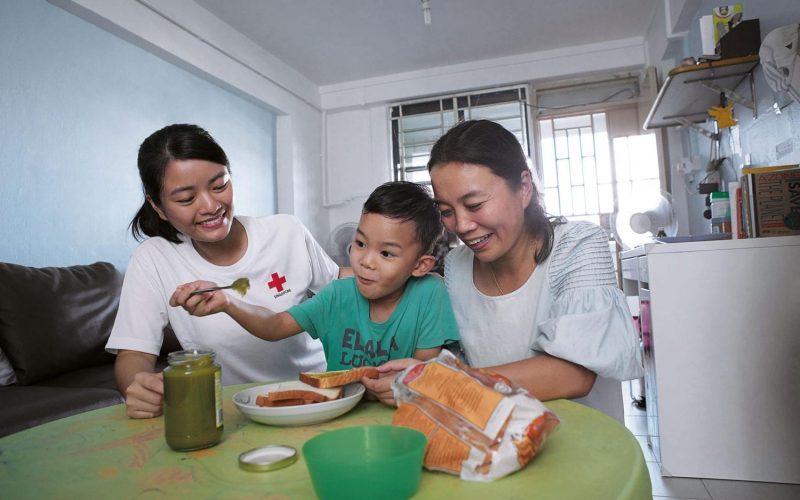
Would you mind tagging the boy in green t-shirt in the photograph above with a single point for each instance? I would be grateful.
(390, 308)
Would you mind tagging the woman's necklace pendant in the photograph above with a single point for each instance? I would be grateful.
(496, 283)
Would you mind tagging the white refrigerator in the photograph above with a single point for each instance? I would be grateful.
(721, 335)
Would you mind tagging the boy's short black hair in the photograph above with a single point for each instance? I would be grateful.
(408, 201)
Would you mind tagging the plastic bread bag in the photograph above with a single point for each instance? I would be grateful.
(479, 425)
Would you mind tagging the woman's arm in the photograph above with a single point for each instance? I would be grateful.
(547, 377)
(143, 390)
(426, 354)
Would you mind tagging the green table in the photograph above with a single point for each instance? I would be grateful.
(104, 454)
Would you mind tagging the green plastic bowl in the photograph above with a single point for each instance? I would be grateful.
(375, 461)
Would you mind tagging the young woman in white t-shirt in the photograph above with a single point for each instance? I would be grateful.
(192, 233)
(535, 297)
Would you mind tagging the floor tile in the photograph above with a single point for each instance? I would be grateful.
(676, 487)
(681, 488)
(746, 490)
(627, 400)
(659, 497)
(648, 453)
(632, 410)
(637, 424)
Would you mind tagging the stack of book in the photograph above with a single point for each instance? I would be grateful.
(766, 202)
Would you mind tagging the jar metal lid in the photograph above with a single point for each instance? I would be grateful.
(268, 458)
(189, 355)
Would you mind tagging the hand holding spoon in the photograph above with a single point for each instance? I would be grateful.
(241, 285)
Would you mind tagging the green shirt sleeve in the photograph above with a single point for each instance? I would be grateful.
(437, 323)
(312, 314)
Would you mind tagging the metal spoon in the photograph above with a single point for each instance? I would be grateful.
(241, 285)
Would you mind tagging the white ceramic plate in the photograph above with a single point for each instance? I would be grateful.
(315, 413)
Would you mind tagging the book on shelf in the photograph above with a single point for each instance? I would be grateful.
(735, 194)
(771, 200)
(773, 168)
(744, 216)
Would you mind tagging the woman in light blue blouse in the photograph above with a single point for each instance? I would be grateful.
(535, 298)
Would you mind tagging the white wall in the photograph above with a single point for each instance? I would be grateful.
(75, 104)
(357, 159)
(333, 142)
(185, 34)
(358, 138)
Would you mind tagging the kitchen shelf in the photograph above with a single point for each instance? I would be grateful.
(690, 91)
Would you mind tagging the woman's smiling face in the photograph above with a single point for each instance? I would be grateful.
(481, 208)
(197, 199)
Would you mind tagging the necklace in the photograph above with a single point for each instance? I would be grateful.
(494, 277)
(491, 270)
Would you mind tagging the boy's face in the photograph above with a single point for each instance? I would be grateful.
(384, 254)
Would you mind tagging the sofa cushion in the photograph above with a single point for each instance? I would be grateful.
(24, 407)
(7, 375)
(56, 319)
(94, 377)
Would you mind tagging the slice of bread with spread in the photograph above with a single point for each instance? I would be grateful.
(298, 393)
(338, 378)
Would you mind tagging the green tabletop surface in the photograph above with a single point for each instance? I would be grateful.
(105, 454)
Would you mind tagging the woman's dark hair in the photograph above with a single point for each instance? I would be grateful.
(484, 142)
(173, 142)
(406, 201)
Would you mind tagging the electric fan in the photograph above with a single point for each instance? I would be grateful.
(639, 222)
(339, 242)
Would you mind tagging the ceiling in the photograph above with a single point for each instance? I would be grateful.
(333, 41)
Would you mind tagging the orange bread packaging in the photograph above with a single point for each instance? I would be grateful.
(479, 425)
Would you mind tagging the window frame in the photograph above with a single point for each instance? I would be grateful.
(463, 106)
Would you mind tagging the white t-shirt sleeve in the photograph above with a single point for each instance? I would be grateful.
(142, 313)
(323, 268)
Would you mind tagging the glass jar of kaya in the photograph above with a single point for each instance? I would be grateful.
(192, 400)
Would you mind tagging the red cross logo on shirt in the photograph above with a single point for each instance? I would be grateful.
(277, 282)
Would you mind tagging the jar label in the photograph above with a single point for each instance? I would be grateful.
(218, 396)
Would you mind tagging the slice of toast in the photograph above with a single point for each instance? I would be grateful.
(262, 400)
(338, 378)
(297, 393)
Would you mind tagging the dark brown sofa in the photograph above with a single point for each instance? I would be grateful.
(54, 324)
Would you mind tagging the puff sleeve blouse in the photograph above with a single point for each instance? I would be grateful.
(570, 308)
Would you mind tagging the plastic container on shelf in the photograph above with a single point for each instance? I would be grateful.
(720, 212)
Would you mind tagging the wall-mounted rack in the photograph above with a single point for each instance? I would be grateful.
(690, 91)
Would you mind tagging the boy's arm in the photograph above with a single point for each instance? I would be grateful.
(426, 354)
(257, 320)
(262, 322)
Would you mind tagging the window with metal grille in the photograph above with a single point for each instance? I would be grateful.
(588, 175)
(416, 125)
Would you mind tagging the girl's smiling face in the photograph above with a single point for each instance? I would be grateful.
(197, 199)
(481, 208)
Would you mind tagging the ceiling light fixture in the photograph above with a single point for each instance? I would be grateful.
(426, 11)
